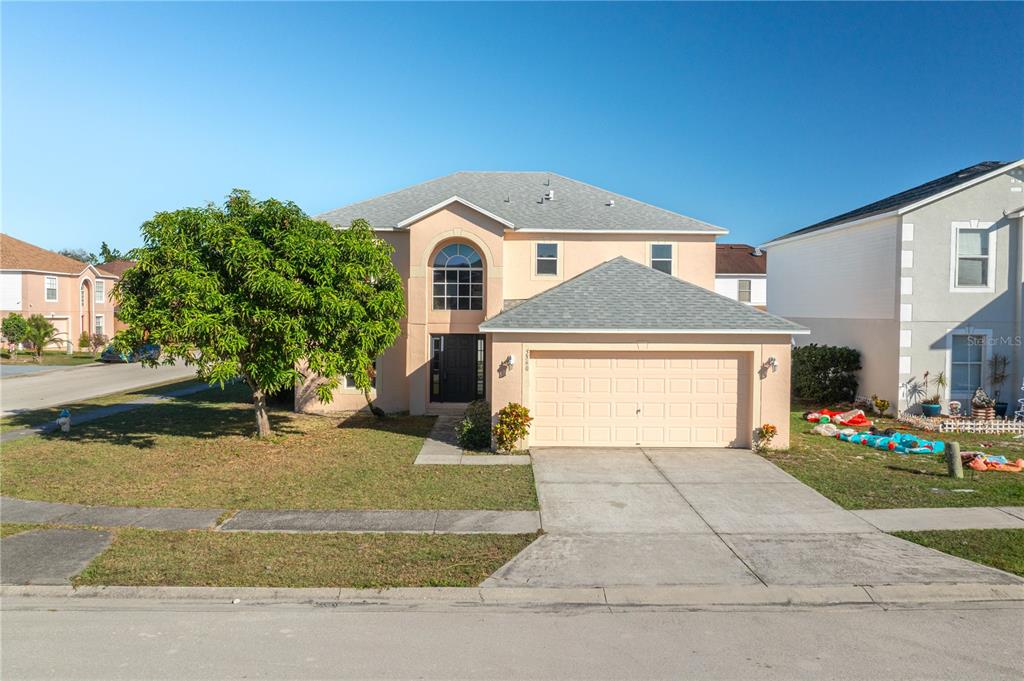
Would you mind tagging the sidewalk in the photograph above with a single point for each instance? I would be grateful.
(441, 448)
(427, 522)
(924, 519)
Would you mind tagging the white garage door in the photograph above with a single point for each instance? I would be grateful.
(652, 399)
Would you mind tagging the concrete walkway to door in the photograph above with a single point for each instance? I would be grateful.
(645, 517)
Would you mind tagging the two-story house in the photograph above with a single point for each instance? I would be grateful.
(927, 280)
(741, 273)
(594, 310)
(74, 296)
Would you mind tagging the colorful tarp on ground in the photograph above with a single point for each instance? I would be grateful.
(854, 417)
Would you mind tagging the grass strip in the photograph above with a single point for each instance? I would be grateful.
(204, 558)
(1002, 549)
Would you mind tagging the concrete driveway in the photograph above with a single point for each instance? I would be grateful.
(643, 517)
(74, 384)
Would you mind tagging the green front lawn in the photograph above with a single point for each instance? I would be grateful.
(1003, 549)
(858, 477)
(49, 358)
(198, 452)
(35, 417)
(152, 558)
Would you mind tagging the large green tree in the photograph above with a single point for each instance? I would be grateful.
(260, 291)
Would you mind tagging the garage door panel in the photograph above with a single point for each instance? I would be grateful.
(648, 399)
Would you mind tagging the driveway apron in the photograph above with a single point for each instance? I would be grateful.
(659, 517)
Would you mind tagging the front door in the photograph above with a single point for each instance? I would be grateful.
(456, 368)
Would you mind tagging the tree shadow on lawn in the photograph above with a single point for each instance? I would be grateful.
(141, 427)
(402, 425)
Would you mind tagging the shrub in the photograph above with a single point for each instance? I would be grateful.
(763, 437)
(474, 431)
(14, 328)
(84, 340)
(512, 426)
(825, 374)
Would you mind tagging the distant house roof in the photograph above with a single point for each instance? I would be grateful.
(622, 296)
(908, 197)
(16, 254)
(115, 267)
(739, 259)
(517, 200)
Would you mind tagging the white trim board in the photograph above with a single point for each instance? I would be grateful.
(447, 202)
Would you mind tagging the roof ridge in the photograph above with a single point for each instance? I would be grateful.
(903, 198)
(649, 205)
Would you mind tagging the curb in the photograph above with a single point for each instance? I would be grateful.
(691, 596)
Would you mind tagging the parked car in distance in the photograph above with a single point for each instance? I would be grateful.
(148, 351)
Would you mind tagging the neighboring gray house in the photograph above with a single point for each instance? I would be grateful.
(925, 280)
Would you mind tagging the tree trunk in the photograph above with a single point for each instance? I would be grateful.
(259, 403)
(376, 411)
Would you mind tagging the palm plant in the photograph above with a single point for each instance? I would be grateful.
(40, 333)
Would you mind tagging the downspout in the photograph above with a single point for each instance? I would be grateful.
(1018, 304)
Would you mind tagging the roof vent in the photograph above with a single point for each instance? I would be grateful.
(550, 196)
(758, 251)
(508, 198)
(611, 202)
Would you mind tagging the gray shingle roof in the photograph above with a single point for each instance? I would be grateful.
(517, 197)
(905, 198)
(624, 295)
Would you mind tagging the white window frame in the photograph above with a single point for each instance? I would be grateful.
(750, 291)
(100, 328)
(47, 289)
(100, 287)
(954, 257)
(81, 294)
(985, 350)
(671, 257)
(537, 258)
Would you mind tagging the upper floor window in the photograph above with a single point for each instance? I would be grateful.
(972, 256)
(51, 289)
(101, 289)
(547, 259)
(81, 295)
(458, 279)
(661, 257)
(743, 290)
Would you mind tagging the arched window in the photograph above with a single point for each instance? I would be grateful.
(458, 278)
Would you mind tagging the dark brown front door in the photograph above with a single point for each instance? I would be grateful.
(457, 368)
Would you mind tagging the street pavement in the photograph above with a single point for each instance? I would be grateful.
(113, 639)
(74, 384)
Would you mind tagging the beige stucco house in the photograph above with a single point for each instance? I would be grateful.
(926, 280)
(594, 310)
(74, 296)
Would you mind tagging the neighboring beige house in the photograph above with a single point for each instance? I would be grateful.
(594, 310)
(741, 273)
(116, 268)
(925, 280)
(73, 295)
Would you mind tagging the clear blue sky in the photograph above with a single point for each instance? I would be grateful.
(761, 118)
